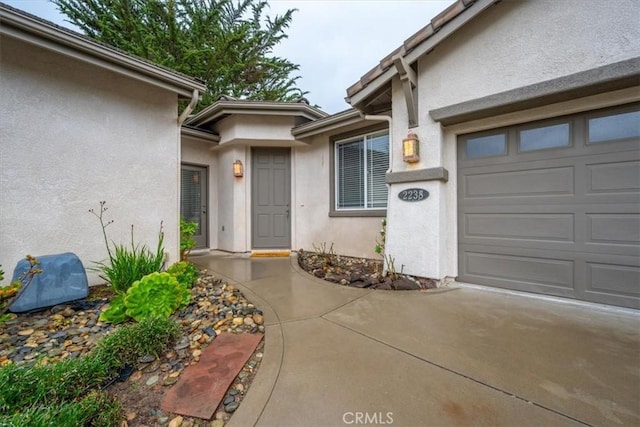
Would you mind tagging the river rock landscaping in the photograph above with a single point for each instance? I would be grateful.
(72, 330)
(358, 272)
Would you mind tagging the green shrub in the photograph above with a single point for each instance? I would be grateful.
(95, 410)
(185, 272)
(127, 264)
(155, 295)
(25, 387)
(187, 230)
(117, 311)
(148, 337)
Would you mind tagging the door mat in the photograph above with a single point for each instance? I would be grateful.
(202, 386)
(270, 254)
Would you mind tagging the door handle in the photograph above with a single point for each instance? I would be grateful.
(287, 213)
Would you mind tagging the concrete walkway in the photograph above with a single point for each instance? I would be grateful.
(339, 356)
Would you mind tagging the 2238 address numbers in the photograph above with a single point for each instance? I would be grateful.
(413, 194)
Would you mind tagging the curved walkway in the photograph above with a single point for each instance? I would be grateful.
(340, 356)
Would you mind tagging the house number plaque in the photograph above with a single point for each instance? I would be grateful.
(413, 194)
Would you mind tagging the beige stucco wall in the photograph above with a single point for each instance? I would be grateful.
(512, 44)
(71, 135)
(312, 180)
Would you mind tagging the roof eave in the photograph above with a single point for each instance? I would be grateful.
(200, 135)
(47, 35)
(327, 124)
(222, 109)
(358, 98)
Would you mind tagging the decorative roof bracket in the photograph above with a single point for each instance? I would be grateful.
(409, 82)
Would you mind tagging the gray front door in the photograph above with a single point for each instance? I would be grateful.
(554, 207)
(271, 198)
(193, 200)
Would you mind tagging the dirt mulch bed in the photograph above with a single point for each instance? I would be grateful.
(358, 272)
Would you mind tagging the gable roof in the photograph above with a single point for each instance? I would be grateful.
(31, 29)
(372, 93)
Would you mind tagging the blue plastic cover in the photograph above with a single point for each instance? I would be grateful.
(63, 279)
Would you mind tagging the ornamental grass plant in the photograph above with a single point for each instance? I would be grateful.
(127, 263)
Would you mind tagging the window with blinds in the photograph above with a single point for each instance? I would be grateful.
(361, 164)
(191, 195)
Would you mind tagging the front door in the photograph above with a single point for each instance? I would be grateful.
(271, 198)
(193, 200)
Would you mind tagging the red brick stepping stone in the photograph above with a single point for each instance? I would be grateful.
(202, 386)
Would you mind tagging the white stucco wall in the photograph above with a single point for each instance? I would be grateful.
(71, 135)
(198, 153)
(512, 44)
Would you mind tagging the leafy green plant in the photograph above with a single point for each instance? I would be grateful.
(187, 242)
(117, 311)
(127, 264)
(379, 248)
(155, 295)
(148, 337)
(185, 272)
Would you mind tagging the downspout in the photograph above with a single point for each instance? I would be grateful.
(195, 97)
(388, 119)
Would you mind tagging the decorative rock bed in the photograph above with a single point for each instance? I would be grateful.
(358, 272)
(70, 330)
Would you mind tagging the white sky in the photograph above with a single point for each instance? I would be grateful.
(334, 41)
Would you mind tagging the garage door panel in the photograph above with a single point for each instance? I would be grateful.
(563, 222)
(528, 226)
(614, 177)
(520, 183)
(614, 228)
(543, 271)
(616, 279)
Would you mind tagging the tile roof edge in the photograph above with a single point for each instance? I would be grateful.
(419, 37)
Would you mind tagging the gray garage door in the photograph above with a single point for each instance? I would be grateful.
(553, 207)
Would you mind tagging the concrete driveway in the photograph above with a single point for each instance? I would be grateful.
(339, 356)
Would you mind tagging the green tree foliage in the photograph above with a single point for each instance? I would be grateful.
(226, 43)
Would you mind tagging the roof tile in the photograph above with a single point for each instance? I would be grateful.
(387, 61)
(411, 43)
(448, 14)
(355, 88)
(418, 37)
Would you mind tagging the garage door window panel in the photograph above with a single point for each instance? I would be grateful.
(486, 146)
(546, 137)
(616, 127)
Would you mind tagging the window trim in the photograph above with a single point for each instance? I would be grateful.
(345, 137)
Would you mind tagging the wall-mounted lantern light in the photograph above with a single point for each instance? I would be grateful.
(238, 169)
(411, 148)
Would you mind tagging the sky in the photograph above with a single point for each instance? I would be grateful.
(335, 42)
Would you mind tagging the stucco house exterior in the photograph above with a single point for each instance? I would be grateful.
(526, 115)
(80, 123)
(528, 177)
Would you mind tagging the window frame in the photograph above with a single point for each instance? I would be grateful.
(334, 211)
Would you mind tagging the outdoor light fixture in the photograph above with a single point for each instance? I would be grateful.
(238, 169)
(411, 148)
